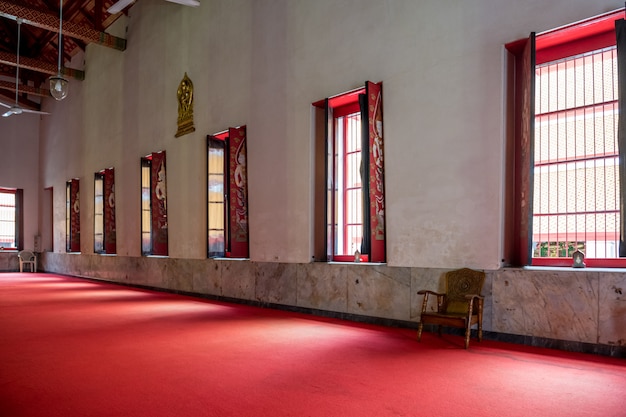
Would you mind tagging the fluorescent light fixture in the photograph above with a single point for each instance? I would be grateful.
(192, 3)
(119, 6)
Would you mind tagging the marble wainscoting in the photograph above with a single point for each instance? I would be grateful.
(9, 261)
(359, 290)
(566, 308)
(581, 305)
(612, 309)
(356, 291)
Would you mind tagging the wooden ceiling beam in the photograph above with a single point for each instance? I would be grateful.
(40, 66)
(98, 8)
(51, 22)
(8, 97)
(49, 38)
(24, 88)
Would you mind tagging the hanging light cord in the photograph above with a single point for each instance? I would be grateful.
(60, 34)
(17, 70)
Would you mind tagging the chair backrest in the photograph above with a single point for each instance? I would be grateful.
(26, 255)
(459, 283)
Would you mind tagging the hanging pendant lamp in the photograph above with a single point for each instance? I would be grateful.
(58, 84)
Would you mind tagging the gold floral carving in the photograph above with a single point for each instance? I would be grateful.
(185, 107)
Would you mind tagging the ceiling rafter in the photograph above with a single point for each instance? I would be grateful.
(51, 22)
(25, 88)
(7, 95)
(84, 22)
(98, 15)
(40, 66)
(52, 38)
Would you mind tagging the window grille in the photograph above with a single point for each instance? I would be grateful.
(7, 220)
(349, 199)
(217, 207)
(576, 176)
(98, 221)
(146, 208)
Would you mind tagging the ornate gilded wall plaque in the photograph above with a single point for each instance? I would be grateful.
(185, 107)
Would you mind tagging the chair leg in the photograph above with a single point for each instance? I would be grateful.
(468, 332)
(420, 327)
(480, 319)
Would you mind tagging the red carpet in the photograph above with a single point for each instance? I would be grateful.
(71, 347)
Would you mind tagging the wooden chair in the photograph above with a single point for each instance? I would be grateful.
(27, 257)
(460, 306)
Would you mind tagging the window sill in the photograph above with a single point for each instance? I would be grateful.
(569, 269)
(230, 259)
(593, 263)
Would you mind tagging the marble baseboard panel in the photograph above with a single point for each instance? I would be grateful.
(575, 307)
(9, 261)
(583, 305)
(543, 342)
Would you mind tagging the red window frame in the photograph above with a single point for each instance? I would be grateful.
(578, 38)
(146, 206)
(236, 241)
(104, 212)
(154, 231)
(72, 217)
(368, 101)
(98, 215)
(342, 115)
(18, 218)
(223, 137)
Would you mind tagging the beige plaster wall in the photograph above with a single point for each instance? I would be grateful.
(19, 165)
(262, 63)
